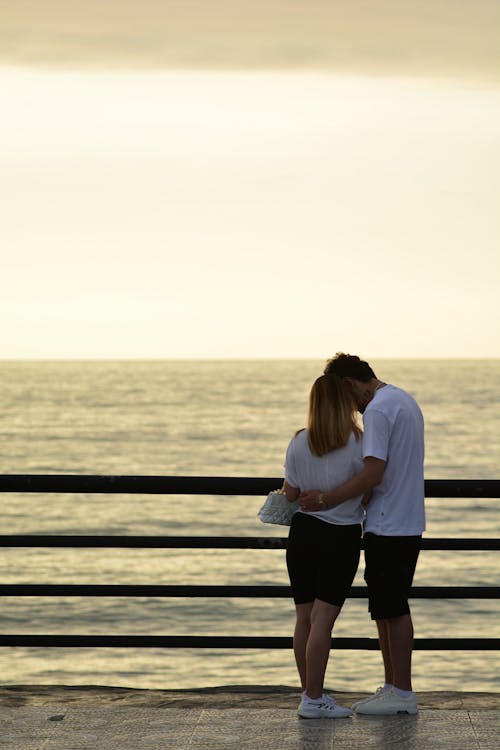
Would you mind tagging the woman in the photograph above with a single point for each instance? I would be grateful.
(324, 546)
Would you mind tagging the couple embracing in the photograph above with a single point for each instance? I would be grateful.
(345, 478)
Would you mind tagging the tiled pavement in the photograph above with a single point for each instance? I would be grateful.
(100, 719)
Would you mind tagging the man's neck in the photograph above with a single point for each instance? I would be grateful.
(378, 385)
(373, 386)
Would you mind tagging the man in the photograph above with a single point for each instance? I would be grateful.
(393, 453)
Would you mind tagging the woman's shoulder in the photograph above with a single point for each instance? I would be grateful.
(354, 444)
(298, 439)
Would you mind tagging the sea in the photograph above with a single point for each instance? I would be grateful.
(221, 418)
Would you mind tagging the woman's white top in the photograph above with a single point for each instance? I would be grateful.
(309, 472)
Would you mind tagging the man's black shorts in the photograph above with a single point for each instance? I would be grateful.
(322, 559)
(390, 563)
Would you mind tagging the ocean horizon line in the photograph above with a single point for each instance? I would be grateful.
(259, 358)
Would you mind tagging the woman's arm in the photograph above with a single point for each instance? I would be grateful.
(366, 498)
(291, 493)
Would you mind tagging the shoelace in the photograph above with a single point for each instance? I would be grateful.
(326, 704)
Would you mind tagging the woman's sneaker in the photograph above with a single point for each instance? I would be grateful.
(377, 692)
(388, 703)
(321, 708)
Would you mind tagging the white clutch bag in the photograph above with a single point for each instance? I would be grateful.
(277, 509)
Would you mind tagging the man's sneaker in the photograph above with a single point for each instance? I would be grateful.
(322, 708)
(371, 697)
(388, 703)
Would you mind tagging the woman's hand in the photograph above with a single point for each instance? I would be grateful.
(366, 498)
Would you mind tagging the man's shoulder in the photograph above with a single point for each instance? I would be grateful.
(392, 402)
(390, 394)
(405, 399)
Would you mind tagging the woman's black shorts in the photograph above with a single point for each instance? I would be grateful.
(322, 559)
(390, 563)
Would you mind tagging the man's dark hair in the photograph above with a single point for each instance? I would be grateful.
(349, 366)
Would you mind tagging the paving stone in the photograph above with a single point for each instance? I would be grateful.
(486, 727)
(124, 728)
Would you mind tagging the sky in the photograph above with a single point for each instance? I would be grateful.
(224, 179)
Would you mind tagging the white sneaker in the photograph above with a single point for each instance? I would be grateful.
(388, 703)
(322, 708)
(377, 692)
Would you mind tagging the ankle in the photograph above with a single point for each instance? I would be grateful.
(313, 695)
(403, 693)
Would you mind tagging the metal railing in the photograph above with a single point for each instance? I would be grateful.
(83, 484)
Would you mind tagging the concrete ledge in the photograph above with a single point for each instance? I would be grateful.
(229, 696)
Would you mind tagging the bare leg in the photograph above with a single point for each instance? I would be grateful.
(383, 639)
(323, 616)
(300, 636)
(400, 631)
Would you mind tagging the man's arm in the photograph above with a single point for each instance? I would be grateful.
(368, 478)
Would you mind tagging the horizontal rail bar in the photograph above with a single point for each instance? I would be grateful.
(198, 485)
(257, 592)
(130, 484)
(231, 642)
(217, 486)
(209, 542)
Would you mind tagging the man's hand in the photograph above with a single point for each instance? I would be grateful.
(312, 500)
(361, 484)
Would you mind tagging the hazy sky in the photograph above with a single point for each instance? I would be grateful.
(225, 179)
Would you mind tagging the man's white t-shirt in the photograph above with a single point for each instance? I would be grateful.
(309, 472)
(394, 432)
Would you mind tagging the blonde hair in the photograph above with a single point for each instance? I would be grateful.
(332, 415)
